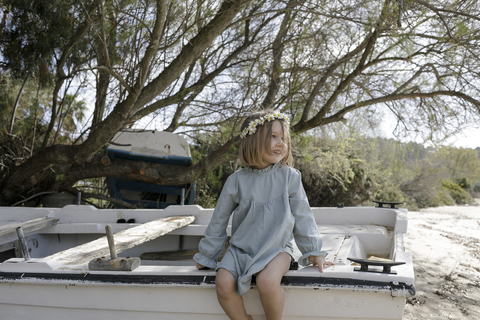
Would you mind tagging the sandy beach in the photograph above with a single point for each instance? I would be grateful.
(445, 244)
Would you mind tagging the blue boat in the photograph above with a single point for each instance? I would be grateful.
(155, 147)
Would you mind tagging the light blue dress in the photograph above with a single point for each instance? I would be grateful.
(269, 208)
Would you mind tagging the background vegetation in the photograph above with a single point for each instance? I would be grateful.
(74, 73)
(355, 170)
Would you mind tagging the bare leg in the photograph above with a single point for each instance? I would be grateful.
(268, 284)
(228, 298)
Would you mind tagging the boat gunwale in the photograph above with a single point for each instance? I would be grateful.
(316, 283)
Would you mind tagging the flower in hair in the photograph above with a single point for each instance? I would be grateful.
(252, 126)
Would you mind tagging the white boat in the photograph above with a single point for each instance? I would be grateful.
(48, 287)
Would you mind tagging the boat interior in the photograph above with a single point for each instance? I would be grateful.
(365, 233)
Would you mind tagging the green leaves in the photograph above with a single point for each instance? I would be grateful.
(35, 30)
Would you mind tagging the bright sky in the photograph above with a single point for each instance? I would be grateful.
(469, 138)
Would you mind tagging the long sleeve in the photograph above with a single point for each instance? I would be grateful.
(212, 245)
(306, 234)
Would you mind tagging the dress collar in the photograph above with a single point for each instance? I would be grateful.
(265, 170)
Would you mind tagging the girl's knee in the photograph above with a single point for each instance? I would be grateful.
(268, 285)
(224, 283)
(224, 288)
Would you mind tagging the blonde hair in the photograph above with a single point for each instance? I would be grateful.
(251, 149)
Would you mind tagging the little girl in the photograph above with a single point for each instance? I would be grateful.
(269, 208)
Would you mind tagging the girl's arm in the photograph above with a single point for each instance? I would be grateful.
(212, 245)
(305, 231)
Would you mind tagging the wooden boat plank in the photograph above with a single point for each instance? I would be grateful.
(8, 232)
(124, 240)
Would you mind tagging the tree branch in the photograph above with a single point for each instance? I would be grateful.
(201, 83)
(149, 172)
(370, 40)
(60, 64)
(277, 53)
(106, 129)
(116, 76)
(191, 51)
(395, 97)
(86, 195)
(438, 10)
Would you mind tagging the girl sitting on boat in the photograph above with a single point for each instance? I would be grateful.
(270, 209)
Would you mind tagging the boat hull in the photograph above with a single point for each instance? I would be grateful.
(165, 289)
(79, 300)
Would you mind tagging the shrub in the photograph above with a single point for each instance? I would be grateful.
(422, 189)
(458, 194)
(475, 190)
(463, 183)
(332, 172)
(389, 191)
(443, 198)
(476, 187)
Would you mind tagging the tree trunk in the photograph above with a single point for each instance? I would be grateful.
(15, 106)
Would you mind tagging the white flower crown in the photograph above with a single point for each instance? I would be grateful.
(252, 126)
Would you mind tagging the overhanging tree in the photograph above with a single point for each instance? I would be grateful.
(205, 64)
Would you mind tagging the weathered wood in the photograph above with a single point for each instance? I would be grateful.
(117, 264)
(124, 240)
(111, 242)
(23, 244)
(8, 233)
(114, 263)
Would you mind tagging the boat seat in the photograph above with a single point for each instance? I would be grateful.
(340, 241)
(199, 229)
(355, 229)
(338, 246)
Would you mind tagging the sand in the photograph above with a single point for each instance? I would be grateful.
(445, 245)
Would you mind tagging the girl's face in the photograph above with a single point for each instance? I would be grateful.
(278, 148)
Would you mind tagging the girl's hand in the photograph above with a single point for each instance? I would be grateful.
(199, 266)
(321, 262)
